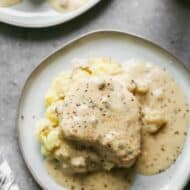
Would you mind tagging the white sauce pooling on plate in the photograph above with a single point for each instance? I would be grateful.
(164, 102)
(66, 5)
(115, 180)
(6, 3)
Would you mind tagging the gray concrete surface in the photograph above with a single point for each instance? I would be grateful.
(166, 22)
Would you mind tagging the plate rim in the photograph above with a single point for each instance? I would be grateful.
(61, 17)
(70, 42)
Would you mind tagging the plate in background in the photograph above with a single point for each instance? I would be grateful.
(119, 46)
(37, 14)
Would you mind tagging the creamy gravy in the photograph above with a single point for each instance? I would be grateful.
(6, 3)
(161, 149)
(116, 180)
(158, 93)
(66, 5)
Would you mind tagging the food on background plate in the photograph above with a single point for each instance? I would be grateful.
(58, 5)
(6, 3)
(66, 5)
(104, 122)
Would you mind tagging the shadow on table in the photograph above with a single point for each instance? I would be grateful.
(56, 31)
(187, 187)
(183, 2)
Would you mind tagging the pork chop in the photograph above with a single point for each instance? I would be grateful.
(100, 113)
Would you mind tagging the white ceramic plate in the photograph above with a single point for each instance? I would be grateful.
(37, 13)
(119, 46)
